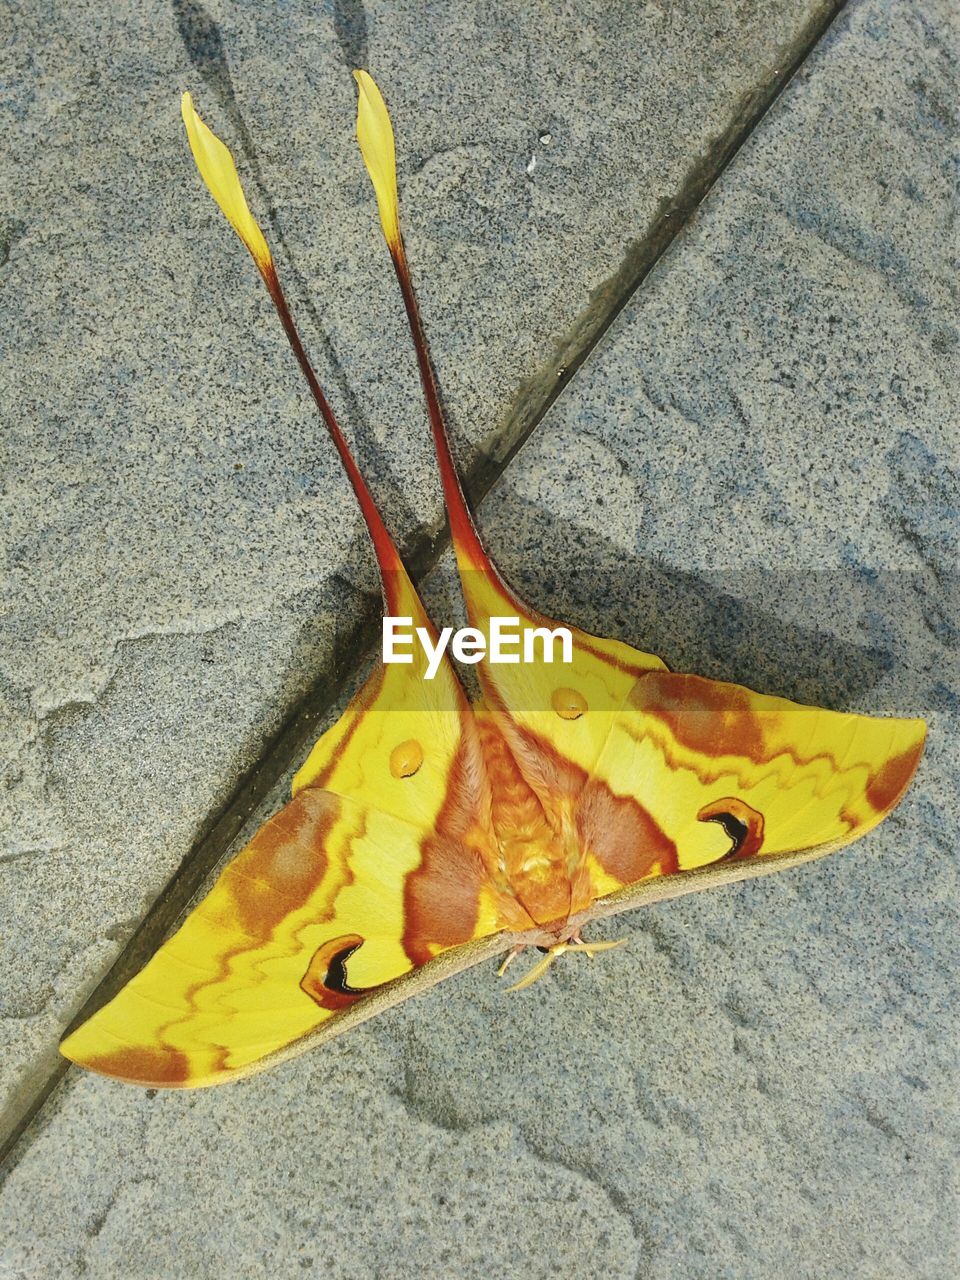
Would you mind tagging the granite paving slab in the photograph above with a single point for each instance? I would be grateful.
(757, 475)
(184, 561)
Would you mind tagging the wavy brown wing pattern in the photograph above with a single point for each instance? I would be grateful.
(707, 772)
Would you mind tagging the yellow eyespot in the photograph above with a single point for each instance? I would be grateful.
(375, 135)
(406, 759)
(219, 172)
(568, 704)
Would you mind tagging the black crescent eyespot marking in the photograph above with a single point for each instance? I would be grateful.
(336, 977)
(735, 829)
(742, 824)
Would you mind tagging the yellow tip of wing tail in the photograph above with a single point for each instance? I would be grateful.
(217, 168)
(375, 136)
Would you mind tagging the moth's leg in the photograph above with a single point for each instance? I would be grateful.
(541, 967)
(554, 953)
(509, 958)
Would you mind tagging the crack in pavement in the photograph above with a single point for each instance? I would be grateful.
(216, 838)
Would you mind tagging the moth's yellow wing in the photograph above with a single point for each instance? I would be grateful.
(649, 773)
(697, 773)
(375, 867)
(226, 989)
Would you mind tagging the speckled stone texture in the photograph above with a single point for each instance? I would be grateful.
(183, 558)
(756, 475)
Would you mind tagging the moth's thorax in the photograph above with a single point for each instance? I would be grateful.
(537, 855)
